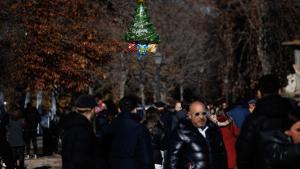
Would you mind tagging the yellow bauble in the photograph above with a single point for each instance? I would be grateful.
(152, 48)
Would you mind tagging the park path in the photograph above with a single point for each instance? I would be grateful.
(47, 162)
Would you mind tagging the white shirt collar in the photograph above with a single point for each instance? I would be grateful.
(202, 131)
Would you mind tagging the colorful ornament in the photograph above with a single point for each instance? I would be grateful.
(142, 50)
(152, 48)
(132, 47)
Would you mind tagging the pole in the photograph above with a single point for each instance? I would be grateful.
(142, 86)
(158, 83)
(156, 88)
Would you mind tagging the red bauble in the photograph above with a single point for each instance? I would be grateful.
(132, 47)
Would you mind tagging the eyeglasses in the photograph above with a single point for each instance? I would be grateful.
(200, 113)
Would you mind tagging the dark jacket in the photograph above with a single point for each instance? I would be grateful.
(271, 113)
(239, 113)
(189, 149)
(5, 149)
(78, 146)
(32, 118)
(158, 133)
(279, 152)
(130, 143)
(166, 119)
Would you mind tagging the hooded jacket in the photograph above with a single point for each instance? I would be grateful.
(271, 113)
(78, 145)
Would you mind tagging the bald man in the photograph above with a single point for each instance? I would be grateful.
(196, 143)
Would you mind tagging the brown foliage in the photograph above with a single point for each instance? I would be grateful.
(65, 43)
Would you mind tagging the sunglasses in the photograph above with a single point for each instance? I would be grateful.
(200, 113)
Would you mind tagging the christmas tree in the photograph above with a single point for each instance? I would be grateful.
(142, 31)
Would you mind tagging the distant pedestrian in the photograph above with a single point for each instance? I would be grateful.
(15, 137)
(130, 141)
(251, 105)
(157, 132)
(32, 119)
(5, 149)
(79, 140)
(179, 114)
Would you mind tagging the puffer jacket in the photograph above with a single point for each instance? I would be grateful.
(190, 150)
(271, 113)
(279, 152)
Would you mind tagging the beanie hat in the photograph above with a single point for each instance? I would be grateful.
(252, 101)
(85, 102)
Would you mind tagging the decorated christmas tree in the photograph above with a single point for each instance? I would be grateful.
(142, 31)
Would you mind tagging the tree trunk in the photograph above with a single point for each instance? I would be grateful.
(142, 88)
(123, 76)
(263, 57)
(262, 44)
(27, 99)
(1, 98)
(122, 84)
(156, 85)
(39, 99)
(53, 105)
(228, 66)
(181, 92)
(91, 90)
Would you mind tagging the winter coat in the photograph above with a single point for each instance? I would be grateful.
(78, 145)
(157, 133)
(15, 132)
(229, 135)
(130, 143)
(239, 113)
(190, 150)
(32, 118)
(178, 116)
(271, 113)
(101, 123)
(279, 152)
(166, 118)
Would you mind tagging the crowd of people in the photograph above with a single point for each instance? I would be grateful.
(19, 130)
(261, 133)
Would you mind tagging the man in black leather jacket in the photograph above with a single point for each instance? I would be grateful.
(196, 143)
(270, 114)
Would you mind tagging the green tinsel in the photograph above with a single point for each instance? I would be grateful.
(142, 31)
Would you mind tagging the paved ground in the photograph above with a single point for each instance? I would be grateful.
(53, 162)
(47, 162)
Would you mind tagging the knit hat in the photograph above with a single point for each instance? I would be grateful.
(252, 101)
(85, 102)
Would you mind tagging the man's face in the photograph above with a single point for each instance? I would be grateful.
(251, 107)
(197, 115)
(178, 107)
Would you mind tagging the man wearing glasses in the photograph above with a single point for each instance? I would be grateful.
(196, 143)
